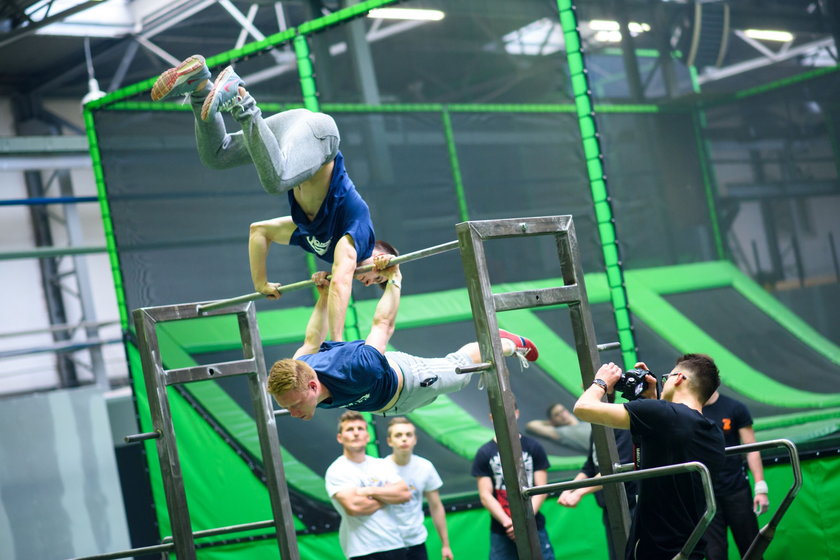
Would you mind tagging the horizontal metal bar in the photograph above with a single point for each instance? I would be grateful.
(213, 371)
(137, 438)
(542, 225)
(422, 253)
(281, 412)
(43, 144)
(60, 347)
(144, 551)
(608, 346)
(615, 478)
(47, 200)
(696, 466)
(229, 529)
(484, 366)
(47, 252)
(60, 328)
(181, 311)
(527, 299)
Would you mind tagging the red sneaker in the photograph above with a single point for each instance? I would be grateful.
(524, 347)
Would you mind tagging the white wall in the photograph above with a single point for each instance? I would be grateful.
(22, 301)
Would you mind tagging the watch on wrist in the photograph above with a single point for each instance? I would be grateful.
(601, 383)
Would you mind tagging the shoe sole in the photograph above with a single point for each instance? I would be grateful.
(208, 103)
(173, 77)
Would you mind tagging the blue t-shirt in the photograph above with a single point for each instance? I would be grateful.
(358, 376)
(342, 212)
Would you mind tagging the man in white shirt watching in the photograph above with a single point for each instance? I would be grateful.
(362, 489)
(423, 480)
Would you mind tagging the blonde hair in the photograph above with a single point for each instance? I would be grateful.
(288, 375)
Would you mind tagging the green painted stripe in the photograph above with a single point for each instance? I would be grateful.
(685, 336)
(105, 210)
(463, 210)
(597, 180)
(352, 12)
(784, 82)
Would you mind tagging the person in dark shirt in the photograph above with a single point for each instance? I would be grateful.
(737, 508)
(666, 431)
(590, 469)
(361, 375)
(487, 468)
(294, 152)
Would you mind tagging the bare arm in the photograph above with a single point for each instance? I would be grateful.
(571, 498)
(316, 329)
(385, 316)
(438, 515)
(394, 493)
(355, 504)
(341, 285)
(590, 408)
(491, 504)
(761, 502)
(540, 478)
(261, 236)
(542, 428)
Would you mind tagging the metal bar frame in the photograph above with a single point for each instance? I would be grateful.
(158, 379)
(485, 304)
(611, 481)
(413, 256)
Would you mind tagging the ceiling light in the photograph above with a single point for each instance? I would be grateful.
(608, 36)
(406, 13)
(769, 35)
(609, 25)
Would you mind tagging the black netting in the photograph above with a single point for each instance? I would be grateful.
(479, 53)
(657, 190)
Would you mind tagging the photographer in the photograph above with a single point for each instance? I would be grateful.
(666, 431)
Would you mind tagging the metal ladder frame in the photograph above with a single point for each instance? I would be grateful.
(485, 304)
(253, 366)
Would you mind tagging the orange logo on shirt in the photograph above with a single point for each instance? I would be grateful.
(727, 424)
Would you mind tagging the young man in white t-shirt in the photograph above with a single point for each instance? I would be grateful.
(423, 480)
(363, 489)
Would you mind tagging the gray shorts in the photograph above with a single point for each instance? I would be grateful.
(424, 379)
(575, 437)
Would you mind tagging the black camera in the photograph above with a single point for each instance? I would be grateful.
(632, 383)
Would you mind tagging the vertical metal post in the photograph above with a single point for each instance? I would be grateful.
(173, 481)
(485, 304)
(275, 475)
(586, 345)
(498, 390)
(253, 366)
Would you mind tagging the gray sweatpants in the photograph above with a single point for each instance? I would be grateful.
(425, 379)
(287, 148)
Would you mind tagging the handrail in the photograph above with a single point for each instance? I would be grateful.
(422, 253)
(705, 477)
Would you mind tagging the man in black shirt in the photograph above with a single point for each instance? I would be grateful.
(487, 468)
(590, 469)
(737, 508)
(668, 431)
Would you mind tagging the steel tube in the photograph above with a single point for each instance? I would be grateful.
(483, 366)
(144, 551)
(229, 529)
(422, 253)
(136, 438)
(708, 491)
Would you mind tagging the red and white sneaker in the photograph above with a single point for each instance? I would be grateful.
(526, 350)
(181, 79)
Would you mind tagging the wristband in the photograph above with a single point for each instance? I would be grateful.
(395, 283)
(602, 384)
(760, 487)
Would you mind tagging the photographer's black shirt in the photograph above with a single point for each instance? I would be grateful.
(669, 507)
(731, 416)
